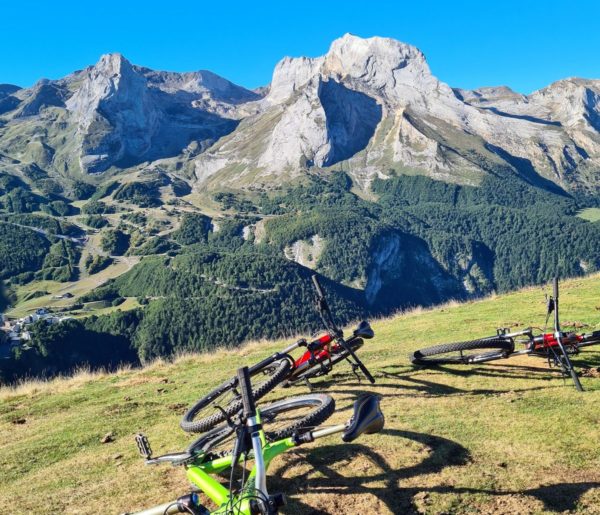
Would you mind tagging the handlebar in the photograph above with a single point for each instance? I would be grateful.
(246, 390)
(318, 288)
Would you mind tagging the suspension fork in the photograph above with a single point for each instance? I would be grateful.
(559, 340)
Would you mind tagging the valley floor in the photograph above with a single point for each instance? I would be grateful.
(510, 437)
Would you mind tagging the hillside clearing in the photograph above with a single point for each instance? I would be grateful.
(591, 214)
(509, 437)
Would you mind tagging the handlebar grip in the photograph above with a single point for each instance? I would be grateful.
(317, 284)
(246, 390)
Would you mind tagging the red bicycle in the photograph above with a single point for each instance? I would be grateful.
(556, 346)
(319, 359)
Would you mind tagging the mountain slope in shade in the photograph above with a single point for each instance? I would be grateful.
(115, 114)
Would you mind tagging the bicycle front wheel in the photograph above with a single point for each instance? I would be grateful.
(226, 400)
(456, 353)
(279, 420)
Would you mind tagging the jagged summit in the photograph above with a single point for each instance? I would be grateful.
(126, 113)
(380, 63)
(114, 63)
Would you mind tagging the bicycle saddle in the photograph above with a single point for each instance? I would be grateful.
(367, 418)
(364, 330)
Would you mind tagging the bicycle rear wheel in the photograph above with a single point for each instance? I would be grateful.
(454, 353)
(279, 420)
(226, 401)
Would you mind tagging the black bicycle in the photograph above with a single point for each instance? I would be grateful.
(556, 346)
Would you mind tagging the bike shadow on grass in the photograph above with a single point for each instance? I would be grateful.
(323, 477)
(587, 361)
(500, 371)
(407, 383)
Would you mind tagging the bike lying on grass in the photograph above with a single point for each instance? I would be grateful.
(255, 434)
(318, 360)
(555, 346)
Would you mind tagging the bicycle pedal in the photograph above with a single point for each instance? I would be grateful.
(143, 446)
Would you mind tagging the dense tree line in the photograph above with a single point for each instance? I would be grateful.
(96, 207)
(194, 228)
(143, 194)
(202, 287)
(61, 348)
(97, 263)
(21, 250)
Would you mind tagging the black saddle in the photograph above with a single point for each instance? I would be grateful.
(367, 418)
(364, 330)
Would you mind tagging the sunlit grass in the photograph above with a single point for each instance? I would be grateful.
(508, 437)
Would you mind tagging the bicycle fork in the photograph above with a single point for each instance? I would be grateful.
(260, 478)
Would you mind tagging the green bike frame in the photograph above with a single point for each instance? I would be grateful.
(199, 473)
(253, 497)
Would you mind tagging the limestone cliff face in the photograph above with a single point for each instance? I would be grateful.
(374, 105)
(115, 114)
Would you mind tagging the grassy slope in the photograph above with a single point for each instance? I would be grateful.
(509, 437)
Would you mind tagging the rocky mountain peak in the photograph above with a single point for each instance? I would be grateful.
(572, 101)
(202, 84)
(362, 57)
(382, 65)
(112, 65)
(112, 76)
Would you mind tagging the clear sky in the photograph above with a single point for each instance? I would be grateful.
(522, 44)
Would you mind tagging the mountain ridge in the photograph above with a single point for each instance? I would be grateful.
(190, 200)
(367, 106)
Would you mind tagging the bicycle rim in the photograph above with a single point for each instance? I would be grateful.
(458, 352)
(280, 420)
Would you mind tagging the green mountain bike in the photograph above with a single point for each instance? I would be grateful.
(258, 435)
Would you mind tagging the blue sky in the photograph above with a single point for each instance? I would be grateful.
(522, 44)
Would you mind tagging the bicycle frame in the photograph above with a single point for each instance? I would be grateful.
(319, 351)
(199, 474)
(536, 345)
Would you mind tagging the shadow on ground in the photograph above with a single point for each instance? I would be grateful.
(343, 493)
